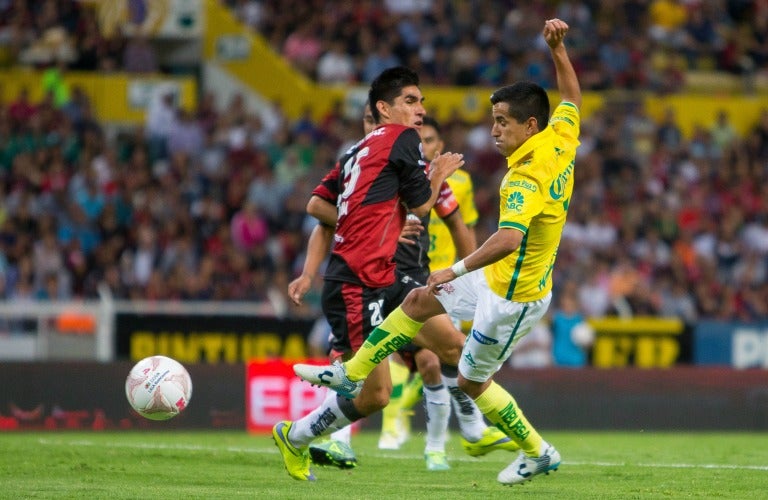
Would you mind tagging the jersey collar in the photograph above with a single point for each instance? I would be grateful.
(529, 146)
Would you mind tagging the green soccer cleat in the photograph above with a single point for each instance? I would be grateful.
(493, 439)
(333, 452)
(525, 468)
(296, 460)
(436, 461)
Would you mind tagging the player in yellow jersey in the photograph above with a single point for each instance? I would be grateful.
(439, 381)
(505, 286)
(442, 251)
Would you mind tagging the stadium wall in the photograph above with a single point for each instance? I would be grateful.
(90, 395)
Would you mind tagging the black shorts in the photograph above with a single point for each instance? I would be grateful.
(353, 310)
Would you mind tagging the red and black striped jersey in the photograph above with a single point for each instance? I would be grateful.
(371, 186)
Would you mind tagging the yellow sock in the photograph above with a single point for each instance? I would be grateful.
(395, 332)
(501, 409)
(391, 412)
(412, 391)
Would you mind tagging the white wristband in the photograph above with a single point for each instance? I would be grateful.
(459, 268)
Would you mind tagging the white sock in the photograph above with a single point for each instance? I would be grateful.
(344, 434)
(438, 407)
(324, 419)
(471, 423)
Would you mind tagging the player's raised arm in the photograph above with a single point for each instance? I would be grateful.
(567, 82)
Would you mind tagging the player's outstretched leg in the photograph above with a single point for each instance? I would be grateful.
(332, 376)
(296, 460)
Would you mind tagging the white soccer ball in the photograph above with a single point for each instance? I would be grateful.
(158, 388)
(583, 335)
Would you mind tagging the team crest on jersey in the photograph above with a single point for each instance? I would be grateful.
(515, 201)
(447, 288)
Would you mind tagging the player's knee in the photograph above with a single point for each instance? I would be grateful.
(417, 304)
(373, 399)
(378, 400)
(429, 367)
(449, 349)
(470, 387)
(451, 354)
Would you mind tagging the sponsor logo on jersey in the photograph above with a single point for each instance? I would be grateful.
(515, 201)
(523, 184)
(557, 188)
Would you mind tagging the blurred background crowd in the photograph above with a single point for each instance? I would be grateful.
(209, 203)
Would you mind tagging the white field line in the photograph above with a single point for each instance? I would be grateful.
(397, 456)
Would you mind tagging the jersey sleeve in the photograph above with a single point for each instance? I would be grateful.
(465, 194)
(520, 201)
(446, 202)
(566, 120)
(328, 189)
(407, 160)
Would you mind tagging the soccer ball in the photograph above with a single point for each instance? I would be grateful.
(158, 388)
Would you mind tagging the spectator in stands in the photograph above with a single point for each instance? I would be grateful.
(723, 135)
(249, 227)
(303, 47)
(379, 59)
(185, 135)
(161, 118)
(21, 109)
(336, 65)
(668, 19)
(569, 345)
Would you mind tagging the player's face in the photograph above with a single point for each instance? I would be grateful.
(406, 109)
(368, 123)
(431, 143)
(508, 133)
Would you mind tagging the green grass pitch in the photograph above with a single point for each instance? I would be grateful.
(228, 465)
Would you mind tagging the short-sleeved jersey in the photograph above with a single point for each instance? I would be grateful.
(369, 186)
(442, 251)
(534, 198)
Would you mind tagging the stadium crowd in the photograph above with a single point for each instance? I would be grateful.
(210, 204)
(632, 44)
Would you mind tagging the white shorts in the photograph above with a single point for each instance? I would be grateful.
(498, 324)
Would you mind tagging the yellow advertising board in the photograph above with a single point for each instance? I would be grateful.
(116, 97)
(643, 342)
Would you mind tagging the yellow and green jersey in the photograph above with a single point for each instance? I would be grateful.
(534, 199)
(442, 251)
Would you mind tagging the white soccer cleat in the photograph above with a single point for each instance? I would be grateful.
(524, 468)
(332, 376)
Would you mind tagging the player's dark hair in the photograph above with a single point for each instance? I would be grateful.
(389, 85)
(431, 122)
(525, 100)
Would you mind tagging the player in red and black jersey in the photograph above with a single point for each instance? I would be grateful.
(378, 181)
